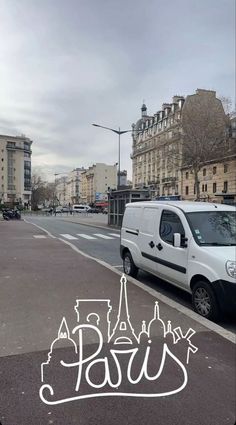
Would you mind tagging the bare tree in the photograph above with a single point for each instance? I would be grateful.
(204, 126)
(38, 190)
(227, 104)
(42, 191)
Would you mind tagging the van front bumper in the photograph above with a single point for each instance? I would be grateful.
(226, 295)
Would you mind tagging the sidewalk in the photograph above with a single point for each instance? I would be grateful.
(40, 280)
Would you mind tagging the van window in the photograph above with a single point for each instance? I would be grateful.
(213, 228)
(148, 221)
(170, 224)
(131, 218)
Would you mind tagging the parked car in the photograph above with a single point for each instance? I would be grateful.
(47, 210)
(189, 244)
(58, 210)
(81, 208)
(105, 211)
(94, 210)
(169, 198)
(65, 209)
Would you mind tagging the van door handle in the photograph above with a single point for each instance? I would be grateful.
(151, 244)
(159, 246)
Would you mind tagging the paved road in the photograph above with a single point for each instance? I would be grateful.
(41, 280)
(103, 243)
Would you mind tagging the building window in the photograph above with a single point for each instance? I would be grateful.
(186, 190)
(205, 187)
(225, 168)
(225, 187)
(194, 189)
(214, 188)
(214, 170)
(186, 175)
(204, 171)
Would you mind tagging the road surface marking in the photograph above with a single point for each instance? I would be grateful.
(100, 235)
(67, 236)
(82, 235)
(230, 336)
(114, 234)
(40, 237)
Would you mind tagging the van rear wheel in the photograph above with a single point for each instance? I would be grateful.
(128, 265)
(204, 301)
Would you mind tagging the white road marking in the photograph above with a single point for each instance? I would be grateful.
(67, 236)
(40, 237)
(82, 235)
(114, 234)
(230, 336)
(100, 235)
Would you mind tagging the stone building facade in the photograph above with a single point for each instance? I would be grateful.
(152, 138)
(157, 138)
(217, 181)
(98, 180)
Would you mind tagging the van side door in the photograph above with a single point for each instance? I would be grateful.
(172, 261)
(147, 238)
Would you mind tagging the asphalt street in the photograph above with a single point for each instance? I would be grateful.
(42, 281)
(90, 239)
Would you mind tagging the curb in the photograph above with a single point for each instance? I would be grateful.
(93, 225)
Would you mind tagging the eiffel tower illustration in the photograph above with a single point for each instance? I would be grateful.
(123, 332)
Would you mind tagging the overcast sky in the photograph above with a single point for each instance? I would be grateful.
(65, 64)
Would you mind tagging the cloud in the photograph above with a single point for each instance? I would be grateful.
(67, 64)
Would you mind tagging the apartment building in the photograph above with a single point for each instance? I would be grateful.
(61, 190)
(97, 180)
(217, 181)
(68, 188)
(217, 178)
(15, 170)
(155, 139)
(152, 136)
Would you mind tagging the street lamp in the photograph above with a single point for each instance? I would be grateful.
(119, 132)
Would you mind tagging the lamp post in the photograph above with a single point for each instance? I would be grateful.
(119, 132)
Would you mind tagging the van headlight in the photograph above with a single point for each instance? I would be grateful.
(231, 268)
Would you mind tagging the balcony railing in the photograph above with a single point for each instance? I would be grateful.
(169, 179)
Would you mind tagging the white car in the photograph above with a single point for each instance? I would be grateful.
(80, 208)
(189, 244)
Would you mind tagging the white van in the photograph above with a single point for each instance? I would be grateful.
(80, 208)
(189, 244)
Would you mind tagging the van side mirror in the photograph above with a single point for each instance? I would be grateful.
(177, 240)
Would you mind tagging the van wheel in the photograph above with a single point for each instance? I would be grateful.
(204, 301)
(129, 267)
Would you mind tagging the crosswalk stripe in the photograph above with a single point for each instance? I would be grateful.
(67, 236)
(114, 234)
(82, 235)
(40, 236)
(102, 236)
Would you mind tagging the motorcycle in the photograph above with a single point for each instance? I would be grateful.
(11, 215)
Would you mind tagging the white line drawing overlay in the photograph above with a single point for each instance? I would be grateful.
(123, 356)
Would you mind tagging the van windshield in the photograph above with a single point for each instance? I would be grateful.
(213, 228)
